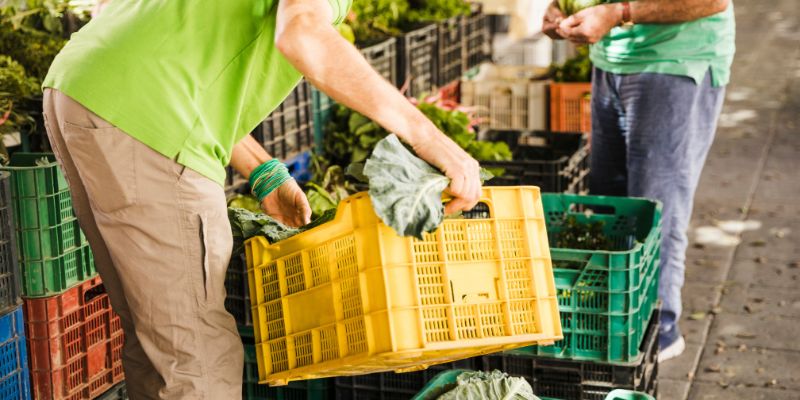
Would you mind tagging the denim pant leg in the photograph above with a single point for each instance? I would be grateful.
(609, 171)
(668, 123)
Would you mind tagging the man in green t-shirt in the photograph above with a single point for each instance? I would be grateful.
(145, 106)
(660, 70)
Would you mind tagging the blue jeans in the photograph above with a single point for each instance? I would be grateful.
(650, 137)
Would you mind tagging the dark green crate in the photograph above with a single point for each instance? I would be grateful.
(43, 211)
(605, 297)
(35, 175)
(237, 299)
(52, 242)
(609, 337)
(316, 389)
(52, 276)
(322, 108)
(118, 392)
(9, 267)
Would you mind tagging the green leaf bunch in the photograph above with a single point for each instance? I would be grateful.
(576, 69)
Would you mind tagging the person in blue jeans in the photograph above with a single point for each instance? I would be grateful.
(660, 70)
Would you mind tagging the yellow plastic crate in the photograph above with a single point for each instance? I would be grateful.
(352, 297)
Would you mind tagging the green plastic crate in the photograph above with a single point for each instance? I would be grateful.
(45, 221)
(44, 211)
(322, 107)
(316, 389)
(52, 276)
(622, 394)
(46, 243)
(605, 297)
(35, 175)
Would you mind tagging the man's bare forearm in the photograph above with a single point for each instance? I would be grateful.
(674, 11)
(247, 155)
(336, 67)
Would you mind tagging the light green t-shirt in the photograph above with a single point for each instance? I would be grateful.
(188, 78)
(686, 49)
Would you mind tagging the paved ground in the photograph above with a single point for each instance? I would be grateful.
(742, 303)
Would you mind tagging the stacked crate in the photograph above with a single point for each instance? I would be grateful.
(555, 162)
(53, 253)
(607, 301)
(74, 339)
(14, 377)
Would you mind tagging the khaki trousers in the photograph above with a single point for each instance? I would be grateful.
(162, 241)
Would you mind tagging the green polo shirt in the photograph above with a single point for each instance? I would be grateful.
(188, 78)
(686, 49)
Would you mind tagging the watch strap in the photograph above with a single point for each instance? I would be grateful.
(626, 13)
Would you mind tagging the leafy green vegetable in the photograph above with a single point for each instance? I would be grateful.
(350, 137)
(406, 192)
(570, 7)
(436, 10)
(332, 189)
(582, 236)
(347, 32)
(33, 49)
(246, 201)
(495, 385)
(16, 88)
(246, 224)
(374, 20)
(576, 69)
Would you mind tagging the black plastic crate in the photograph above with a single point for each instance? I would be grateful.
(289, 129)
(9, 267)
(383, 58)
(450, 54)
(237, 301)
(553, 161)
(477, 38)
(416, 59)
(118, 392)
(391, 385)
(584, 380)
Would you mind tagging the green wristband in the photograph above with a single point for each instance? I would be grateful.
(267, 177)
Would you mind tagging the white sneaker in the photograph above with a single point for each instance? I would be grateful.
(675, 349)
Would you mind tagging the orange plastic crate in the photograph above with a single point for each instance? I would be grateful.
(75, 343)
(352, 297)
(571, 107)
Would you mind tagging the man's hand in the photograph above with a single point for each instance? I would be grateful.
(551, 19)
(463, 171)
(288, 205)
(589, 25)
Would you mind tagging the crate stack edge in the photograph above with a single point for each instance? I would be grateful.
(53, 252)
(75, 343)
(73, 338)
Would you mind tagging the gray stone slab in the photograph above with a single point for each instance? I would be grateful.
(712, 208)
(765, 272)
(754, 300)
(777, 219)
(751, 367)
(708, 268)
(779, 180)
(672, 389)
(715, 391)
(683, 366)
(695, 330)
(699, 301)
(765, 329)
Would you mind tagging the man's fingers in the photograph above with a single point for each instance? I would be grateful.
(457, 186)
(571, 22)
(454, 206)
